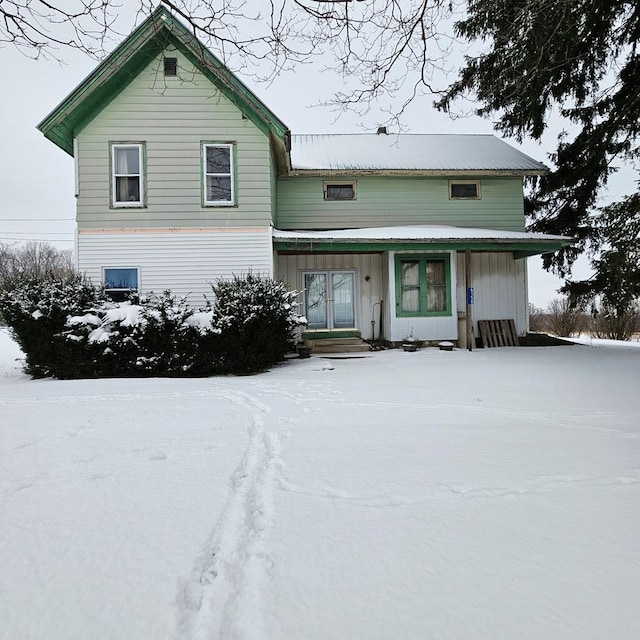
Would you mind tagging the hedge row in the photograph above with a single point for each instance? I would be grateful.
(67, 328)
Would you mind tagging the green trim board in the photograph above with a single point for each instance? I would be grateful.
(159, 31)
(519, 249)
(327, 334)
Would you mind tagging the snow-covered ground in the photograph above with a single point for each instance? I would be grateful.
(430, 495)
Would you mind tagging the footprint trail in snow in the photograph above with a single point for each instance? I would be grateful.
(222, 598)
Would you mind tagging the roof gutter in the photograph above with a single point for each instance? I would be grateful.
(451, 173)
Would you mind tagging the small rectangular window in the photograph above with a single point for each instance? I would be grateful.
(218, 178)
(339, 190)
(119, 282)
(464, 190)
(171, 66)
(127, 189)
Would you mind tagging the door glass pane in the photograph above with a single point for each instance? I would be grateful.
(315, 285)
(436, 286)
(343, 307)
(410, 286)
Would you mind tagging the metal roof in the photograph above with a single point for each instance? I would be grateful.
(409, 152)
(423, 237)
(424, 232)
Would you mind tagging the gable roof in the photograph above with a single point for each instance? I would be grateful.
(159, 30)
(419, 153)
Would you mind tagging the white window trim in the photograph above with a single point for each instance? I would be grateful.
(231, 174)
(111, 266)
(333, 183)
(478, 190)
(114, 175)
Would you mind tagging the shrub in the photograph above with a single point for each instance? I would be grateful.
(257, 320)
(563, 318)
(613, 324)
(152, 336)
(69, 329)
(37, 310)
(537, 319)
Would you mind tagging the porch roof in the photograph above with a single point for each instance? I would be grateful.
(419, 237)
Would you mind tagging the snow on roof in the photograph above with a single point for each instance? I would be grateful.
(408, 152)
(417, 232)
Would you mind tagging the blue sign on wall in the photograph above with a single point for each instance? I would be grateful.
(469, 295)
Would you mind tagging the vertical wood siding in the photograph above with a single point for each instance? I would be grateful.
(500, 288)
(183, 262)
(172, 115)
(289, 268)
(388, 201)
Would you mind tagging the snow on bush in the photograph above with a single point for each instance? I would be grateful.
(258, 321)
(37, 310)
(71, 330)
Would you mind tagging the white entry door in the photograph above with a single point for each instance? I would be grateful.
(330, 299)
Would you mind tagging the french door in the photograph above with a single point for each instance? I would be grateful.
(330, 299)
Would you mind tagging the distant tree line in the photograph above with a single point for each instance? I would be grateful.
(19, 262)
(32, 261)
(564, 319)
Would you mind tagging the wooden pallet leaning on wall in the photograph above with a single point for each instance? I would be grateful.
(498, 333)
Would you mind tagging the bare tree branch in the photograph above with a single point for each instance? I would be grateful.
(383, 48)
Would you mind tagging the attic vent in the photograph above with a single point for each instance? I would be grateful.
(382, 130)
(171, 66)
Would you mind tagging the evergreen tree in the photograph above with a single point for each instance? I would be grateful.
(578, 59)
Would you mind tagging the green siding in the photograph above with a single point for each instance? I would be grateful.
(390, 201)
(146, 111)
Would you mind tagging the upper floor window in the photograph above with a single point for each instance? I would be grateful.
(464, 189)
(127, 165)
(119, 282)
(339, 190)
(218, 179)
(423, 285)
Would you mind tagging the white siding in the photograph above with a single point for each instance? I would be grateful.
(432, 328)
(172, 116)
(289, 268)
(500, 288)
(184, 262)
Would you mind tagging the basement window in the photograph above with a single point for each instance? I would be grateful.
(339, 190)
(120, 282)
(171, 66)
(464, 189)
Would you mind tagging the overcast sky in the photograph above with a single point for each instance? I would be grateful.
(36, 177)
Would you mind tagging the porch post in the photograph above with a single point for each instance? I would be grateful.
(467, 281)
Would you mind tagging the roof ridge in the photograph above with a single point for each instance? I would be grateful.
(395, 134)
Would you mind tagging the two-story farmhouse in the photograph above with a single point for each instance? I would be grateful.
(183, 176)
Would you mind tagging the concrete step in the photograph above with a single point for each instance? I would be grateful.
(336, 341)
(320, 348)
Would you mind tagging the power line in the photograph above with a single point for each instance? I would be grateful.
(34, 239)
(43, 233)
